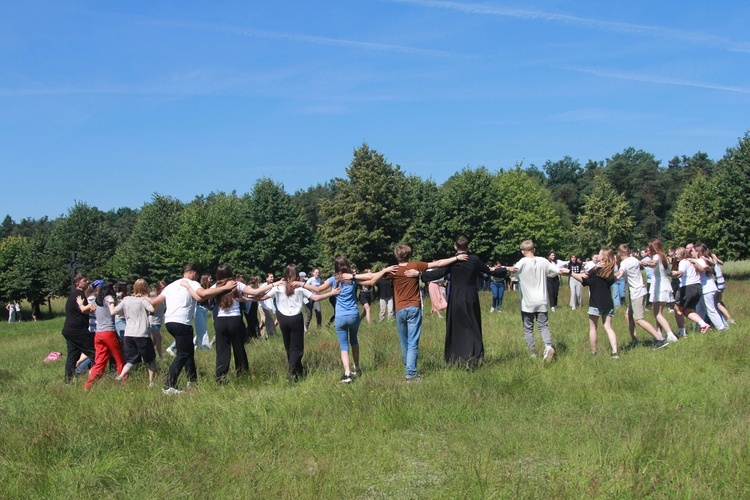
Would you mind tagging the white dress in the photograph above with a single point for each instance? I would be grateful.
(661, 286)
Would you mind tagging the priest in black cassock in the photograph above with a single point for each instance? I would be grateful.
(463, 323)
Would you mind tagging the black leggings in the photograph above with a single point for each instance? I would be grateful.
(230, 335)
(77, 343)
(293, 332)
(553, 289)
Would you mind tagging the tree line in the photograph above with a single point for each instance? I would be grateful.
(562, 205)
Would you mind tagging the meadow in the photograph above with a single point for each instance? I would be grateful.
(664, 424)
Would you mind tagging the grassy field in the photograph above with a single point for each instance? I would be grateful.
(668, 423)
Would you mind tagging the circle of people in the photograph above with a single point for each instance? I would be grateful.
(689, 278)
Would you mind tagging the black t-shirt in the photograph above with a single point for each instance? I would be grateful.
(575, 267)
(385, 288)
(601, 296)
(75, 320)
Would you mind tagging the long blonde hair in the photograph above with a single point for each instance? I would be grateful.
(607, 263)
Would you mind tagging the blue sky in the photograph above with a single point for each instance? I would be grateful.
(108, 102)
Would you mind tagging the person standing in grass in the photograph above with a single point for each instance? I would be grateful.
(533, 273)
(497, 286)
(575, 266)
(156, 319)
(630, 268)
(180, 309)
(106, 340)
(599, 279)
(314, 306)
(290, 302)
(660, 291)
(705, 267)
(135, 308)
(689, 293)
(347, 312)
(409, 302)
(76, 328)
(229, 328)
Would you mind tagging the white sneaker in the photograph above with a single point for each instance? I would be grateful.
(171, 352)
(553, 309)
(118, 378)
(671, 338)
(549, 353)
(492, 309)
(171, 391)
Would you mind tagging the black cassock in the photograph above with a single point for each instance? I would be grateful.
(463, 321)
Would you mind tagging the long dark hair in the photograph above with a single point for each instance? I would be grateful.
(656, 249)
(223, 274)
(107, 288)
(290, 275)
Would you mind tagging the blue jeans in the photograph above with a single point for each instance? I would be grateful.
(409, 324)
(498, 290)
(346, 330)
(618, 292)
(200, 322)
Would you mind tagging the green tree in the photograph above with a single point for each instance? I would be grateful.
(524, 210)
(85, 231)
(424, 234)
(732, 175)
(563, 180)
(277, 233)
(147, 253)
(468, 207)
(605, 219)
(695, 216)
(369, 213)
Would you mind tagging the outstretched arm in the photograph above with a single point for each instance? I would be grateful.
(447, 262)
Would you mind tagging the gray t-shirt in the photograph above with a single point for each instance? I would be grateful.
(105, 322)
(135, 310)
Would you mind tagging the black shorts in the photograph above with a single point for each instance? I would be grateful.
(137, 348)
(690, 296)
(364, 298)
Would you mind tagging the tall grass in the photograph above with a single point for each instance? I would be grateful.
(666, 423)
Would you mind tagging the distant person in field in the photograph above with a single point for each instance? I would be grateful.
(497, 286)
(553, 282)
(200, 321)
(721, 285)
(364, 298)
(630, 268)
(180, 309)
(313, 306)
(156, 319)
(575, 266)
(599, 279)
(269, 309)
(385, 298)
(76, 328)
(532, 273)
(11, 308)
(689, 293)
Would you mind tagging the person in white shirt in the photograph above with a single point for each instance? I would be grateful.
(290, 301)
(314, 306)
(660, 290)
(707, 306)
(269, 308)
(532, 273)
(229, 328)
(177, 318)
(630, 267)
(690, 291)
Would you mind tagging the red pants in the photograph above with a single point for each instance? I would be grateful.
(106, 344)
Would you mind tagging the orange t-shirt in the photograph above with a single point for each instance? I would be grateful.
(406, 290)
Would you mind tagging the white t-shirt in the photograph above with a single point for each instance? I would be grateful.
(707, 282)
(289, 305)
(180, 304)
(689, 274)
(632, 269)
(234, 309)
(532, 282)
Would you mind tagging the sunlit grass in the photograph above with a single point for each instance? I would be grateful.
(666, 423)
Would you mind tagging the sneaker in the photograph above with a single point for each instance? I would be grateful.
(171, 391)
(346, 379)
(732, 322)
(660, 343)
(492, 309)
(151, 384)
(415, 378)
(634, 344)
(671, 338)
(615, 355)
(705, 328)
(549, 353)
(553, 309)
(118, 378)
(171, 352)
(356, 371)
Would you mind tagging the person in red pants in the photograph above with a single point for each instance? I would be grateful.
(106, 340)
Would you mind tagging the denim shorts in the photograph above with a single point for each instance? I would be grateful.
(593, 311)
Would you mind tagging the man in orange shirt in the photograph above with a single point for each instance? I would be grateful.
(409, 303)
